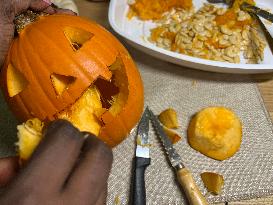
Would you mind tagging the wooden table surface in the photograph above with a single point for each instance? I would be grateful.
(99, 12)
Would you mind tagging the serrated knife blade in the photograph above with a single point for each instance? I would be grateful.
(172, 154)
(184, 176)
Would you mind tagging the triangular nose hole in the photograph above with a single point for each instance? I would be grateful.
(16, 82)
(61, 82)
(77, 36)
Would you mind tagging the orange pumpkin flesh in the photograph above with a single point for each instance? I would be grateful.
(67, 67)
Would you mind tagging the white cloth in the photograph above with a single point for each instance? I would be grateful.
(66, 4)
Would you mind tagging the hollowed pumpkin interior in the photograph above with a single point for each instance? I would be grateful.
(102, 96)
(61, 82)
(77, 37)
(16, 82)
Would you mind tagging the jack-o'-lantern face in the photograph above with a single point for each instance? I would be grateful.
(67, 67)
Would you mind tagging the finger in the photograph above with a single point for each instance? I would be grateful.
(50, 10)
(55, 156)
(66, 11)
(8, 169)
(39, 5)
(102, 197)
(91, 173)
(22, 5)
(53, 10)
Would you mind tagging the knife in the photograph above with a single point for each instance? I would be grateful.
(247, 7)
(184, 176)
(142, 160)
(260, 12)
(266, 33)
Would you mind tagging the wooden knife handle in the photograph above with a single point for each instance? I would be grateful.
(190, 188)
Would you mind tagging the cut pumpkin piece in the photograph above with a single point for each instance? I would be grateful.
(169, 118)
(16, 82)
(29, 134)
(173, 136)
(214, 182)
(215, 132)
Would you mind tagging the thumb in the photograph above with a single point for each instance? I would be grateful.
(8, 10)
(8, 169)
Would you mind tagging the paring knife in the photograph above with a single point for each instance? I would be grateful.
(184, 176)
(142, 160)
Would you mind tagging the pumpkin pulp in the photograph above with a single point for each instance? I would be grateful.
(152, 10)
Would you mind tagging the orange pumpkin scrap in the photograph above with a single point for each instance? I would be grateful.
(215, 132)
(152, 10)
(169, 118)
(173, 136)
(71, 68)
(213, 182)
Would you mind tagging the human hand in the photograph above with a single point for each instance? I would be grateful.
(66, 168)
(9, 9)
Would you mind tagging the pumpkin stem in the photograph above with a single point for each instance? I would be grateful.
(26, 18)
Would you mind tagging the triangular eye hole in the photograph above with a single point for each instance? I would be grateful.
(16, 82)
(77, 37)
(61, 82)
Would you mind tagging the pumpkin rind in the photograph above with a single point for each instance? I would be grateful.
(43, 49)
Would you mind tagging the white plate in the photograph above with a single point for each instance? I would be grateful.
(136, 32)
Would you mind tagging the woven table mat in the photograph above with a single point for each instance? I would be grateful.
(248, 174)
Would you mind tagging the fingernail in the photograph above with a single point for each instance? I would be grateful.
(47, 2)
(85, 134)
(64, 128)
(56, 125)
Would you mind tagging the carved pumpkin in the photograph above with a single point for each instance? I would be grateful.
(67, 67)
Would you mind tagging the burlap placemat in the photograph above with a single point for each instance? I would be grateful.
(248, 174)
